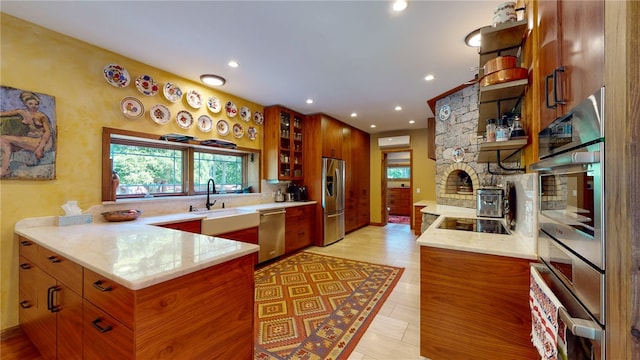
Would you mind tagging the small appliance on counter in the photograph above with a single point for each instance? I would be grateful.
(279, 196)
(490, 200)
(299, 192)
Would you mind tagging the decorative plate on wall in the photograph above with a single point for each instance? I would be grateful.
(222, 127)
(231, 109)
(116, 75)
(160, 114)
(214, 104)
(238, 131)
(146, 85)
(257, 118)
(252, 133)
(245, 113)
(444, 113)
(172, 92)
(131, 107)
(184, 119)
(458, 154)
(194, 99)
(205, 124)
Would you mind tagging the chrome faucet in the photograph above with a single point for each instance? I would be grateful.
(211, 189)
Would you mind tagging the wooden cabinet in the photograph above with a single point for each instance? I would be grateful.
(332, 137)
(399, 201)
(249, 235)
(192, 226)
(571, 57)
(50, 301)
(299, 228)
(417, 219)
(356, 155)
(283, 143)
(476, 300)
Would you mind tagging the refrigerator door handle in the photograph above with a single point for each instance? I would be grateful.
(335, 215)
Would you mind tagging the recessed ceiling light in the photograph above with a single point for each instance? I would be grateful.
(399, 5)
(354, 114)
(309, 101)
(398, 108)
(474, 38)
(233, 64)
(429, 77)
(412, 121)
(373, 126)
(213, 80)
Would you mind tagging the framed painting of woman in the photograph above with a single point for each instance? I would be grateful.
(27, 135)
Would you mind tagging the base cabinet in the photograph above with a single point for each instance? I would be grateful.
(474, 306)
(299, 224)
(50, 306)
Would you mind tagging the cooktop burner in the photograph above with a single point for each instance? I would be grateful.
(476, 225)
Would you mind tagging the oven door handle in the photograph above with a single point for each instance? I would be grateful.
(574, 158)
(580, 327)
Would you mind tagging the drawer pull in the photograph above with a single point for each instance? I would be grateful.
(25, 304)
(54, 259)
(96, 324)
(98, 285)
(25, 243)
(25, 266)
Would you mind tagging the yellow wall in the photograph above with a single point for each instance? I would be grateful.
(36, 59)
(424, 170)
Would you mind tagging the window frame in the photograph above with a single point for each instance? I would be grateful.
(127, 137)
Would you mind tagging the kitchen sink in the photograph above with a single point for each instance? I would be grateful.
(222, 221)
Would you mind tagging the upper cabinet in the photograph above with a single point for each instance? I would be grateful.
(571, 58)
(333, 134)
(283, 143)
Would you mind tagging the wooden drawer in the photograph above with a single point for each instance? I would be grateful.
(104, 336)
(62, 269)
(249, 235)
(28, 249)
(113, 298)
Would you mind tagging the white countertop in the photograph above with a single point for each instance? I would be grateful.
(513, 245)
(137, 254)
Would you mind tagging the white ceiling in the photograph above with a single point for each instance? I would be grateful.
(349, 56)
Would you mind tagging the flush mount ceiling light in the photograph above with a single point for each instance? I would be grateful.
(398, 108)
(429, 77)
(213, 80)
(399, 5)
(309, 101)
(373, 126)
(233, 64)
(412, 121)
(354, 114)
(474, 37)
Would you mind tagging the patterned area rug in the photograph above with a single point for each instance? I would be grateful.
(396, 219)
(312, 306)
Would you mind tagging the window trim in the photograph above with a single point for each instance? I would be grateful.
(129, 137)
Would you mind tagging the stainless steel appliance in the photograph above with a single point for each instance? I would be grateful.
(299, 192)
(271, 234)
(333, 199)
(571, 241)
(489, 202)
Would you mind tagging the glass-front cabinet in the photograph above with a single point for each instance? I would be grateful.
(283, 144)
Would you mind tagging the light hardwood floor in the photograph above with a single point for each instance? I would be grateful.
(395, 331)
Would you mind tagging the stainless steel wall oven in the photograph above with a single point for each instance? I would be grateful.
(571, 242)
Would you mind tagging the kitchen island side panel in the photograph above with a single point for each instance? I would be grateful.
(474, 306)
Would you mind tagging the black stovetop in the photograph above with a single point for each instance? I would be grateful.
(476, 225)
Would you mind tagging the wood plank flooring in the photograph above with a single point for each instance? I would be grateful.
(395, 331)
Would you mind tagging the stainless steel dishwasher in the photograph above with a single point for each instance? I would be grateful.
(271, 234)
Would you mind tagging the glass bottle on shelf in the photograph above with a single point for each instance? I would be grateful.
(502, 130)
(491, 130)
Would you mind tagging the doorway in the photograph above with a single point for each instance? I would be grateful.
(397, 182)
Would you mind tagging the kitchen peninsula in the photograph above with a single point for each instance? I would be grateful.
(473, 291)
(133, 290)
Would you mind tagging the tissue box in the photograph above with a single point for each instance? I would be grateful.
(73, 219)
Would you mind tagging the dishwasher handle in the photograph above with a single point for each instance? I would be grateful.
(273, 213)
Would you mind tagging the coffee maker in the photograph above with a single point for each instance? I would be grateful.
(299, 192)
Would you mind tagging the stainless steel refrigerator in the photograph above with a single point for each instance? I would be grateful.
(333, 199)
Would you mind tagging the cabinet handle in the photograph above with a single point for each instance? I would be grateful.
(546, 91)
(96, 324)
(25, 266)
(555, 85)
(25, 243)
(53, 259)
(25, 304)
(50, 299)
(98, 285)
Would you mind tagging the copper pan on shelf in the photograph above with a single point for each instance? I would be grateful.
(499, 63)
(503, 76)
